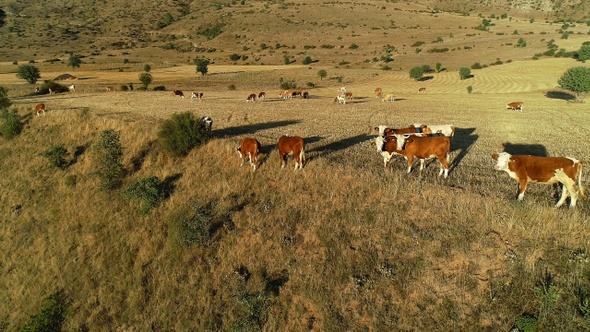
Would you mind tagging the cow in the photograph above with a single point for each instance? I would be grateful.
(387, 146)
(196, 95)
(340, 99)
(40, 108)
(51, 92)
(178, 93)
(292, 145)
(37, 89)
(287, 94)
(262, 95)
(251, 98)
(110, 88)
(342, 90)
(422, 90)
(249, 147)
(72, 88)
(305, 95)
(544, 170)
(388, 97)
(423, 148)
(208, 122)
(348, 95)
(517, 105)
(446, 130)
(411, 130)
(378, 93)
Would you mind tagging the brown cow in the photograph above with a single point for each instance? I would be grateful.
(517, 105)
(446, 130)
(178, 93)
(305, 95)
(250, 147)
(40, 108)
(544, 170)
(251, 97)
(262, 95)
(196, 95)
(292, 145)
(422, 90)
(348, 95)
(110, 88)
(378, 93)
(424, 148)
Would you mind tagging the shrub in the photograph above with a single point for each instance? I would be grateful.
(576, 79)
(56, 155)
(4, 100)
(386, 67)
(310, 84)
(28, 73)
(109, 166)
(181, 133)
(286, 85)
(145, 79)
(234, 57)
(307, 47)
(231, 87)
(51, 315)
(353, 46)
(416, 72)
(191, 227)
(438, 67)
(464, 73)
(476, 65)
(438, 50)
(521, 42)
(148, 190)
(327, 46)
(322, 73)
(584, 53)
(307, 60)
(469, 89)
(210, 31)
(11, 125)
(159, 88)
(418, 43)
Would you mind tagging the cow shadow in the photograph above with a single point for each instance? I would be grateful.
(252, 128)
(328, 149)
(168, 184)
(525, 149)
(560, 95)
(78, 151)
(425, 78)
(462, 141)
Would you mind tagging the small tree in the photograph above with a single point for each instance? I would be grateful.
(56, 156)
(12, 124)
(464, 73)
(438, 67)
(149, 191)
(4, 100)
(576, 79)
(417, 72)
(29, 73)
(145, 79)
(202, 66)
(584, 53)
(74, 61)
(180, 134)
(109, 166)
(307, 60)
(322, 73)
(147, 68)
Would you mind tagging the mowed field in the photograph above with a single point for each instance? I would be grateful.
(341, 245)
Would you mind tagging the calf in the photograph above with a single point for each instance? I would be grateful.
(422, 90)
(292, 145)
(517, 105)
(110, 88)
(250, 147)
(340, 100)
(72, 88)
(208, 122)
(178, 93)
(544, 170)
(197, 95)
(40, 108)
(387, 146)
(262, 95)
(305, 95)
(424, 148)
(251, 97)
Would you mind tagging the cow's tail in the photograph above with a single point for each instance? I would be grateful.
(302, 157)
(581, 188)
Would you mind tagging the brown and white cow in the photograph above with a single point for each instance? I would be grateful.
(348, 95)
(387, 146)
(446, 130)
(422, 90)
(110, 88)
(72, 88)
(262, 95)
(292, 145)
(412, 129)
(340, 100)
(388, 97)
(516, 105)
(40, 108)
(196, 95)
(251, 98)
(250, 147)
(305, 95)
(178, 93)
(208, 122)
(414, 146)
(378, 93)
(544, 170)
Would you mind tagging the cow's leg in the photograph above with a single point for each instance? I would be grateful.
(569, 189)
(521, 188)
(297, 159)
(444, 167)
(410, 160)
(422, 164)
(283, 157)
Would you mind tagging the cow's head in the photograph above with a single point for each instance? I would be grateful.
(502, 159)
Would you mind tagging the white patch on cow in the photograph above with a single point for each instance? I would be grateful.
(382, 130)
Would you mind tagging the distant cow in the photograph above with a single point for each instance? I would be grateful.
(446, 130)
(348, 95)
(388, 97)
(196, 95)
(544, 170)
(262, 95)
(250, 147)
(517, 105)
(305, 95)
(292, 145)
(51, 92)
(340, 100)
(378, 93)
(208, 122)
(178, 93)
(423, 148)
(72, 88)
(110, 88)
(251, 97)
(401, 131)
(40, 108)
(422, 90)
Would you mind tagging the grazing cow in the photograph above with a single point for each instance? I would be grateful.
(517, 105)
(305, 95)
(340, 99)
(197, 95)
(423, 148)
(250, 147)
(422, 90)
(378, 93)
(208, 122)
(287, 94)
(51, 92)
(110, 88)
(388, 97)
(178, 93)
(262, 95)
(544, 170)
(446, 130)
(348, 95)
(342, 90)
(40, 108)
(37, 89)
(251, 97)
(72, 88)
(292, 145)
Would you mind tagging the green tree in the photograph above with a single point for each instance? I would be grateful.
(145, 79)
(417, 72)
(12, 124)
(322, 74)
(464, 72)
(74, 61)
(56, 155)
(4, 100)
(584, 53)
(576, 79)
(147, 68)
(180, 134)
(109, 166)
(29, 73)
(438, 67)
(307, 60)
(202, 66)
(150, 191)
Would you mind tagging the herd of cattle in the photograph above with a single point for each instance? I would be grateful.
(416, 141)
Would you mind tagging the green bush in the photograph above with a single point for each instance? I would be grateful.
(469, 89)
(353, 46)
(109, 166)
(11, 123)
(416, 72)
(464, 73)
(476, 65)
(181, 133)
(56, 155)
(576, 79)
(210, 31)
(584, 53)
(159, 88)
(234, 57)
(149, 191)
(192, 227)
(51, 315)
(55, 87)
(4, 100)
(438, 50)
(307, 60)
(28, 73)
